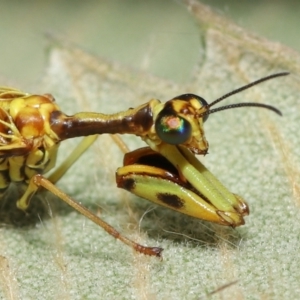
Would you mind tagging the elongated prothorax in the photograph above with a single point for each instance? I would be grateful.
(136, 121)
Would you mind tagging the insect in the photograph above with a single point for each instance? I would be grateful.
(166, 172)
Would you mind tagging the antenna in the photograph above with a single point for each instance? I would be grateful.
(210, 111)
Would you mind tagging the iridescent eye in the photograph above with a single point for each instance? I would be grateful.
(173, 129)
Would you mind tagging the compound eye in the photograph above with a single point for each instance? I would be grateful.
(173, 129)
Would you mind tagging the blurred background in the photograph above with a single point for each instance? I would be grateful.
(156, 36)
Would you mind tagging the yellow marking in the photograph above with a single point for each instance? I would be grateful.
(15, 165)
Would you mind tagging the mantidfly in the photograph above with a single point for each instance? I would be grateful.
(167, 172)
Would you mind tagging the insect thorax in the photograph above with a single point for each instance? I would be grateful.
(28, 146)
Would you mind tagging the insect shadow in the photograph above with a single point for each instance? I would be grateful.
(41, 208)
(158, 222)
(163, 224)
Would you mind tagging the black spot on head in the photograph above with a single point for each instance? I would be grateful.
(171, 200)
(128, 184)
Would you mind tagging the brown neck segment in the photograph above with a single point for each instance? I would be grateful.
(136, 121)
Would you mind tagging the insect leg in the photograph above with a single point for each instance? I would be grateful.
(40, 181)
(85, 143)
